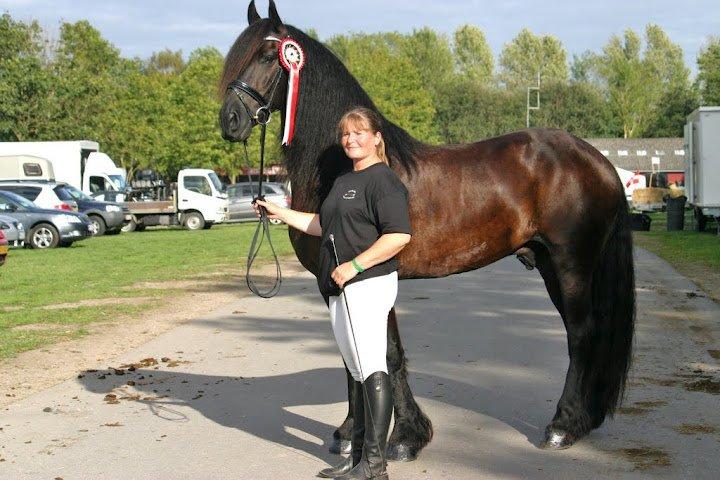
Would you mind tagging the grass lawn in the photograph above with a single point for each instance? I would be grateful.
(41, 289)
(694, 254)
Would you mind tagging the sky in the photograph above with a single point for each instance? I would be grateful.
(139, 28)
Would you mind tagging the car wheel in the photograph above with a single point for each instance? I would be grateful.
(194, 221)
(44, 235)
(98, 225)
(275, 221)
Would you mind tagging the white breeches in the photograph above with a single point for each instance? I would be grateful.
(370, 302)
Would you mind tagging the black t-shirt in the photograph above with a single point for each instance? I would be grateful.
(360, 207)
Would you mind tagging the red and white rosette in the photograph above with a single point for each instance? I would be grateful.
(292, 58)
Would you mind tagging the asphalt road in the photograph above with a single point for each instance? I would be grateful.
(255, 389)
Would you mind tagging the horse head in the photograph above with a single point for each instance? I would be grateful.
(252, 83)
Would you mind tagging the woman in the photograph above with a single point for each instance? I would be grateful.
(365, 220)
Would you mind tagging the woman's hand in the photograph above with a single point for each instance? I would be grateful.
(343, 274)
(273, 211)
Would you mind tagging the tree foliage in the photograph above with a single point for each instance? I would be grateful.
(708, 78)
(528, 55)
(473, 55)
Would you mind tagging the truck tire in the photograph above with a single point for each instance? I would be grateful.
(194, 221)
(99, 225)
(44, 235)
(700, 220)
(131, 226)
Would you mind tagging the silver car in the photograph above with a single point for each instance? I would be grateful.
(14, 231)
(241, 195)
(45, 228)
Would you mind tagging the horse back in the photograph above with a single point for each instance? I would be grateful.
(473, 204)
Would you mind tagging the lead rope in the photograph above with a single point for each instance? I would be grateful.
(263, 228)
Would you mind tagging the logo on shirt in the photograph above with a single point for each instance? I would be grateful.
(349, 195)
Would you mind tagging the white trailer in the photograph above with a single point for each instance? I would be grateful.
(702, 167)
(79, 163)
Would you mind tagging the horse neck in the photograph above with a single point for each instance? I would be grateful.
(327, 91)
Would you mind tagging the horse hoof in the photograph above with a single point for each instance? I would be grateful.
(340, 447)
(557, 440)
(397, 452)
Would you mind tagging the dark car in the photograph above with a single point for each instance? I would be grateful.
(45, 228)
(107, 217)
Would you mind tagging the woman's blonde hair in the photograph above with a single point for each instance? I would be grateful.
(366, 119)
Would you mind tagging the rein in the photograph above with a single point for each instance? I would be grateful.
(261, 117)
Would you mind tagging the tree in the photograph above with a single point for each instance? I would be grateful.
(469, 112)
(165, 61)
(393, 81)
(527, 55)
(708, 78)
(473, 55)
(643, 85)
(87, 68)
(577, 107)
(25, 82)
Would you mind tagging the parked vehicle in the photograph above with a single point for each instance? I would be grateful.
(79, 163)
(43, 194)
(45, 228)
(105, 216)
(3, 248)
(702, 168)
(14, 231)
(197, 202)
(241, 195)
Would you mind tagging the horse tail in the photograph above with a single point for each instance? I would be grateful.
(613, 303)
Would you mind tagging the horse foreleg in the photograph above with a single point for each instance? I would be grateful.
(412, 430)
(341, 435)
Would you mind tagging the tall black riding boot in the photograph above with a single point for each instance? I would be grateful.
(357, 438)
(378, 412)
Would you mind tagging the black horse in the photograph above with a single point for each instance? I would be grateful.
(541, 194)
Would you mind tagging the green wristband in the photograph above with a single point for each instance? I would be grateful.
(357, 266)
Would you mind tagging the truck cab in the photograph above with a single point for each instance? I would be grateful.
(201, 200)
(102, 180)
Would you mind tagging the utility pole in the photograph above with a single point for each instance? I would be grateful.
(536, 89)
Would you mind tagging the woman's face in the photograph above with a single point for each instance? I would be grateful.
(359, 142)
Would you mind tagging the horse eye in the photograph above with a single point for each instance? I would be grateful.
(268, 58)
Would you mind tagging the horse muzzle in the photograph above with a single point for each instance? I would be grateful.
(235, 123)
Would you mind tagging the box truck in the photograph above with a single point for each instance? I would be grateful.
(79, 163)
(702, 167)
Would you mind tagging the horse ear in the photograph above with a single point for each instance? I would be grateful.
(252, 13)
(274, 17)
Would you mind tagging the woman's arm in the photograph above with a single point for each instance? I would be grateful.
(384, 248)
(305, 222)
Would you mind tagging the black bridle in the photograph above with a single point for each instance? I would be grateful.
(261, 117)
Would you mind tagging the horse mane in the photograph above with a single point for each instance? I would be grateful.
(327, 90)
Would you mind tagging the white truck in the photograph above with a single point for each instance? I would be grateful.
(198, 202)
(79, 163)
(702, 167)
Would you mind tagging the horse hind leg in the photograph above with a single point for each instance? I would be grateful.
(412, 430)
(570, 292)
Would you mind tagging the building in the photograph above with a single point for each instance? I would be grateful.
(637, 154)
